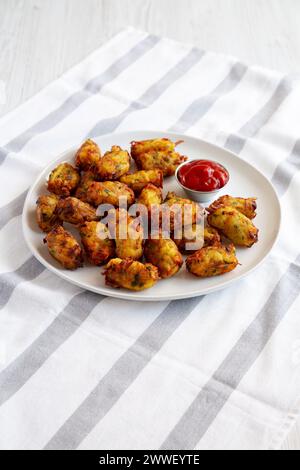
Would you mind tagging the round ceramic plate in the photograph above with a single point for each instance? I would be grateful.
(245, 181)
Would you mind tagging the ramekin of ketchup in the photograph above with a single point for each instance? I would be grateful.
(202, 178)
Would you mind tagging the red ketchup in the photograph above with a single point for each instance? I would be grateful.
(203, 175)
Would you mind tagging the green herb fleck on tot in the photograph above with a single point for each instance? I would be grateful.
(136, 280)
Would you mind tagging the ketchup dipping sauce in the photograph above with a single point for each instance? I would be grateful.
(203, 175)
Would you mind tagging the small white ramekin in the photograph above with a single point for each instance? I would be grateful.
(200, 196)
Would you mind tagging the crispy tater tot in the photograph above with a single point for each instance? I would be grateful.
(144, 146)
(108, 192)
(113, 164)
(212, 261)
(46, 212)
(157, 153)
(211, 236)
(88, 156)
(164, 254)
(127, 233)
(150, 196)
(234, 225)
(74, 211)
(182, 211)
(197, 235)
(64, 248)
(246, 206)
(166, 162)
(138, 180)
(86, 178)
(96, 241)
(63, 180)
(130, 274)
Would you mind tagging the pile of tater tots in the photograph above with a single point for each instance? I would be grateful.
(135, 261)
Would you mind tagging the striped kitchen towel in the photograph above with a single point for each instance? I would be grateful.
(83, 371)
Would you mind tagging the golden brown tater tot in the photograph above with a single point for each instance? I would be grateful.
(64, 248)
(182, 211)
(63, 180)
(46, 212)
(130, 274)
(138, 180)
(88, 156)
(164, 254)
(234, 225)
(128, 235)
(212, 261)
(109, 192)
(113, 164)
(150, 196)
(246, 206)
(96, 241)
(157, 154)
(205, 236)
(74, 211)
(85, 180)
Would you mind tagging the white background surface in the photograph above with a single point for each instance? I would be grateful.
(40, 39)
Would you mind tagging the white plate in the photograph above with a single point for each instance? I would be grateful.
(245, 181)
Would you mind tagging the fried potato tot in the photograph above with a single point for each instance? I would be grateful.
(157, 154)
(246, 206)
(64, 248)
(203, 236)
(150, 196)
(130, 274)
(86, 178)
(46, 212)
(88, 156)
(63, 180)
(108, 192)
(234, 225)
(164, 254)
(127, 233)
(166, 162)
(182, 210)
(156, 145)
(138, 180)
(212, 261)
(96, 241)
(113, 164)
(211, 236)
(74, 211)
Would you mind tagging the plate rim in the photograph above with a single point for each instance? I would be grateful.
(131, 295)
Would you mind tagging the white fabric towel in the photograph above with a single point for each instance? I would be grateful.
(82, 371)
